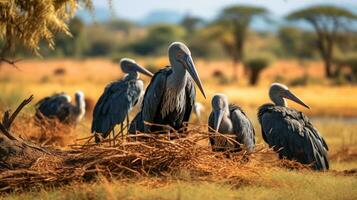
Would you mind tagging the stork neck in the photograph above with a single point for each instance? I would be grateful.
(132, 75)
(80, 108)
(226, 112)
(177, 79)
(278, 100)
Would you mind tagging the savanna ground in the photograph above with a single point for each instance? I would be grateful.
(333, 111)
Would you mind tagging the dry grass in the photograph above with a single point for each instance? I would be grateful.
(144, 156)
(45, 132)
(282, 185)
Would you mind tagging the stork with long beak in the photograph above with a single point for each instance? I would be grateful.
(230, 119)
(170, 97)
(290, 132)
(118, 99)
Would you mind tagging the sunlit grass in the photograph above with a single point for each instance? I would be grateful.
(278, 185)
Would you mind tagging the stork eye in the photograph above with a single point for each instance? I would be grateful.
(179, 54)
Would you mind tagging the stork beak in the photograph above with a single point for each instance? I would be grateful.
(192, 70)
(143, 70)
(289, 95)
(218, 116)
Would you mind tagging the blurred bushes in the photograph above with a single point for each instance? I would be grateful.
(304, 81)
(119, 38)
(347, 67)
(158, 38)
(255, 65)
(296, 43)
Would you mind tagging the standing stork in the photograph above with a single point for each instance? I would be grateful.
(290, 132)
(230, 119)
(170, 97)
(118, 99)
(59, 106)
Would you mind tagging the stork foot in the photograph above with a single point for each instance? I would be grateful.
(98, 138)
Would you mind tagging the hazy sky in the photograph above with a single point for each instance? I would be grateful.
(137, 9)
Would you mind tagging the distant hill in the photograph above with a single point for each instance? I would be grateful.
(162, 16)
(159, 16)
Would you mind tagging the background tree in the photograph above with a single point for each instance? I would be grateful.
(256, 65)
(72, 46)
(28, 22)
(327, 22)
(121, 25)
(157, 39)
(233, 24)
(294, 42)
(191, 23)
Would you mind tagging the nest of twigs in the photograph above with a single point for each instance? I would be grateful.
(143, 155)
(45, 132)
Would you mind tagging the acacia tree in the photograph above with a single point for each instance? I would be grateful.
(27, 23)
(191, 23)
(234, 22)
(327, 22)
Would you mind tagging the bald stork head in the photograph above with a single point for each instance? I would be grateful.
(179, 53)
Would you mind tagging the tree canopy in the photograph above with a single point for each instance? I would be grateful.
(327, 21)
(242, 11)
(159, 36)
(234, 22)
(29, 22)
(322, 12)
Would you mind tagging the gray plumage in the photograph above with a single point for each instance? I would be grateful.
(170, 96)
(230, 119)
(118, 99)
(290, 132)
(59, 106)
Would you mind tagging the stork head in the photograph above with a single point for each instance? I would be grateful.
(220, 108)
(278, 92)
(129, 66)
(179, 53)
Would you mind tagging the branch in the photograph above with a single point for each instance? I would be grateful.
(6, 132)
(10, 62)
(7, 119)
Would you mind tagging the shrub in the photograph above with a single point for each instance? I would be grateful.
(349, 61)
(255, 65)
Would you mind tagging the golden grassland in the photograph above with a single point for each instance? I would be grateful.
(91, 76)
(292, 185)
(329, 107)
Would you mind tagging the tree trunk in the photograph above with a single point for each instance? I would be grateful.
(254, 76)
(328, 67)
(235, 70)
(325, 42)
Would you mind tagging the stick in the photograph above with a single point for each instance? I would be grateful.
(7, 120)
(11, 62)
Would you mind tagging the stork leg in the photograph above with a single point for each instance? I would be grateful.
(122, 130)
(127, 124)
(113, 132)
(109, 139)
